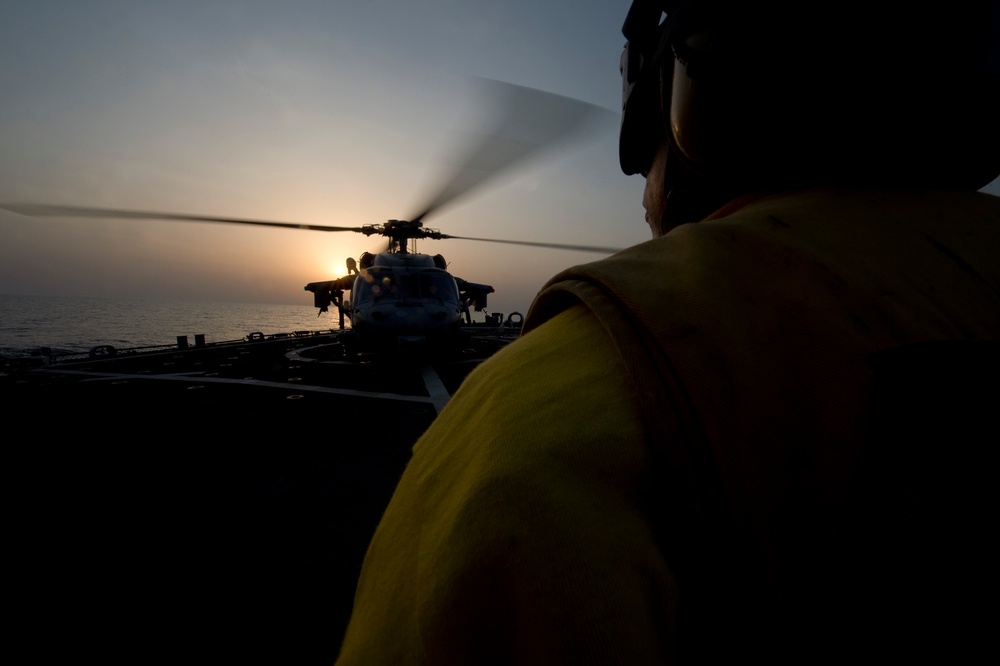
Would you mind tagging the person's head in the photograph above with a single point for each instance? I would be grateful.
(739, 96)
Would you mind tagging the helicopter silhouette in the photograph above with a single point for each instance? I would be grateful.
(398, 297)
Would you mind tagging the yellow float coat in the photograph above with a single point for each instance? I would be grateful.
(657, 467)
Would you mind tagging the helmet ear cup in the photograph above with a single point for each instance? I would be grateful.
(704, 126)
(736, 109)
(712, 98)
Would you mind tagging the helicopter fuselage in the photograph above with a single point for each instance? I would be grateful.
(402, 300)
(404, 295)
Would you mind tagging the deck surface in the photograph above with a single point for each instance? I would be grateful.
(205, 505)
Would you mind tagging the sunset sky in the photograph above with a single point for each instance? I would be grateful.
(335, 112)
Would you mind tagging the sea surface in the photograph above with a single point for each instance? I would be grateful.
(69, 325)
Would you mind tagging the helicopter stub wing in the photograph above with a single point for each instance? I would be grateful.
(338, 284)
(475, 293)
(330, 291)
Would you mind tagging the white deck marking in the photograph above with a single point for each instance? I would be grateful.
(195, 378)
(435, 387)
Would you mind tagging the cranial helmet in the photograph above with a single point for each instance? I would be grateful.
(769, 94)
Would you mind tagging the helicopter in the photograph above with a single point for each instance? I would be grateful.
(407, 299)
(401, 299)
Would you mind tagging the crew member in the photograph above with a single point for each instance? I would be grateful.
(754, 436)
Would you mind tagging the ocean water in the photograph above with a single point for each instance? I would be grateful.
(70, 325)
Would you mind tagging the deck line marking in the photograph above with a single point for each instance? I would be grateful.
(435, 387)
(297, 388)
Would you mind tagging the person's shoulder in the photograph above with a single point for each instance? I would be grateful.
(824, 202)
(537, 393)
(543, 349)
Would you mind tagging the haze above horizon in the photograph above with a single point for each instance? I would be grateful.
(308, 111)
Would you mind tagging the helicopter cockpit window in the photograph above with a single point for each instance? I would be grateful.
(376, 284)
(439, 286)
(407, 286)
(383, 286)
(372, 284)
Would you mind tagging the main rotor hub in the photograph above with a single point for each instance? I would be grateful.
(399, 232)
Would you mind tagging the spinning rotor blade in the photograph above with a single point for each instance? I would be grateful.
(556, 246)
(42, 210)
(527, 121)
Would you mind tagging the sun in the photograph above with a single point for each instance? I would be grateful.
(339, 266)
